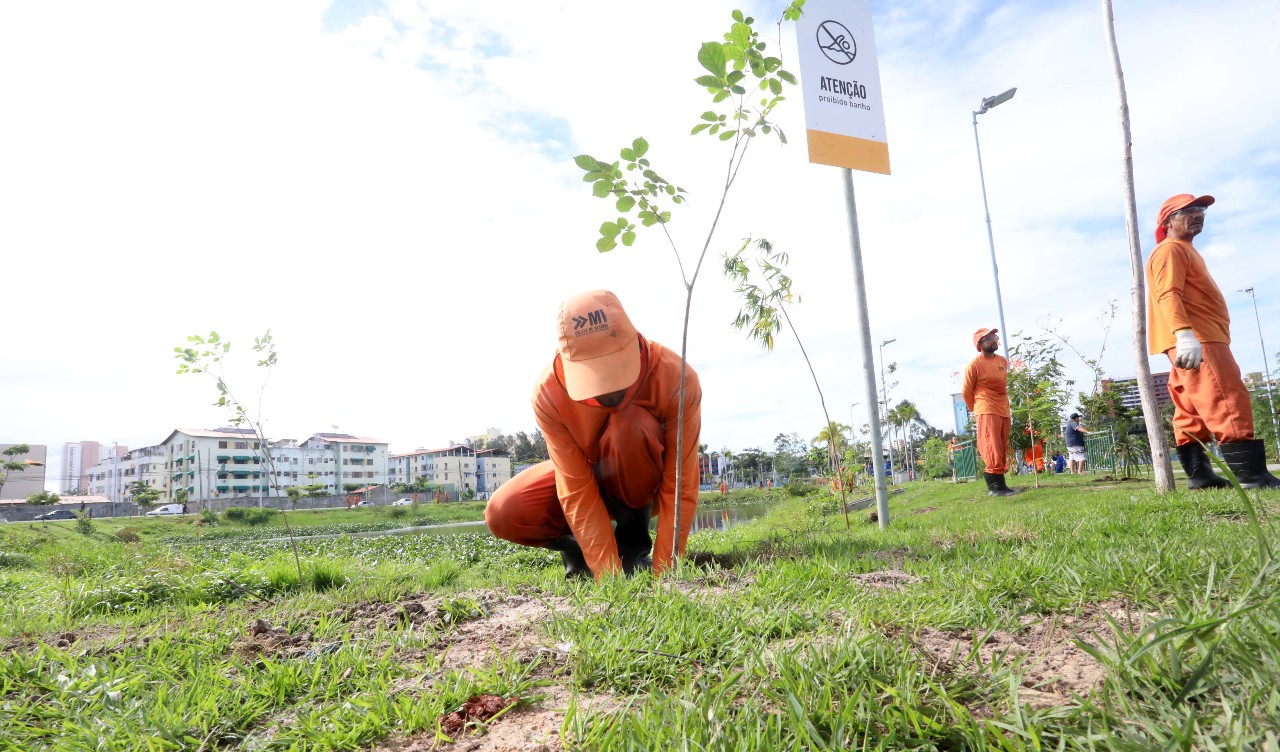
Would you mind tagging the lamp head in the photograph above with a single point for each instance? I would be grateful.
(999, 99)
(888, 342)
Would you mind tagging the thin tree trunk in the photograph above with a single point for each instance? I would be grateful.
(1160, 466)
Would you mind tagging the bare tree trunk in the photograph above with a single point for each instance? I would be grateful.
(1161, 468)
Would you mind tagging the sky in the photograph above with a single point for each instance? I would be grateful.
(389, 188)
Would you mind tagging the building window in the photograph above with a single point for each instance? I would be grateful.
(242, 445)
(222, 445)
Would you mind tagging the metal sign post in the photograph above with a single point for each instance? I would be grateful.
(844, 120)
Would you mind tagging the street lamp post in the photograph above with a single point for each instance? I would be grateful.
(987, 104)
(1266, 367)
(884, 396)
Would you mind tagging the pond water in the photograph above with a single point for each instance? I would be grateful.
(705, 520)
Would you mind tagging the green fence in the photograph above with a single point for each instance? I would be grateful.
(1100, 452)
(964, 458)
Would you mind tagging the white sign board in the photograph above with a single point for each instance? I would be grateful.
(840, 82)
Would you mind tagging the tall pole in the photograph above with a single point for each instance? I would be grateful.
(884, 391)
(991, 241)
(868, 361)
(1267, 368)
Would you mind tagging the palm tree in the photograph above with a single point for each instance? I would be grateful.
(702, 452)
(906, 416)
(832, 437)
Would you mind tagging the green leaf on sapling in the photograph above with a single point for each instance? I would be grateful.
(711, 56)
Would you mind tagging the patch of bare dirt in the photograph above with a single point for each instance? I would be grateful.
(714, 585)
(1054, 670)
(924, 510)
(526, 727)
(507, 629)
(263, 639)
(886, 579)
(895, 556)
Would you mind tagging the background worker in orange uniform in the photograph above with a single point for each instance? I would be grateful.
(986, 394)
(1187, 320)
(608, 406)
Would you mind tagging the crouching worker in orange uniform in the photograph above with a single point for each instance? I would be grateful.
(608, 407)
(1187, 320)
(986, 394)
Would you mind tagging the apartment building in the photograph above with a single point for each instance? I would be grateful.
(493, 468)
(1128, 390)
(359, 461)
(79, 458)
(232, 462)
(459, 466)
(20, 484)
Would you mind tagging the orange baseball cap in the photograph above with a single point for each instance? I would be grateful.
(1174, 203)
(978, 335)
(599, 348)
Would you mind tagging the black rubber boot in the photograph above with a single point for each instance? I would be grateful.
(996, 485)
(575, 564)
(1248, 460)
(632, 536)
(1199, 468)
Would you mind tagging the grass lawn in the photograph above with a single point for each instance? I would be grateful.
(1081, 615)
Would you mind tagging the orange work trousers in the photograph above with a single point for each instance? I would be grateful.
(527, 510)
(1210, 402)
(993, 442)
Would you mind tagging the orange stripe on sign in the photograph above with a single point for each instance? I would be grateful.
(847, 151)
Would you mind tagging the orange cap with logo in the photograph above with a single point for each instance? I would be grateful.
(1174, 203)
(599, 349)
(978, 335)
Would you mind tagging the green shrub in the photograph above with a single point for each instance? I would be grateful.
(261, 516)
(208, 516)
(14, 561)
(84, 523)
(396, 513)
(128, 534)
(798, 488)
(236, 514)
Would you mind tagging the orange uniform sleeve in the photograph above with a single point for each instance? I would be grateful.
(970, 383)
(579, 493)
(688, 474)
(1168, 278)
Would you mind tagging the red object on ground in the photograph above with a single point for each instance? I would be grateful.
(479, 708)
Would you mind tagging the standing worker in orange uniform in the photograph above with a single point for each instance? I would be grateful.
(1187, 320)
(986, 394)
(608, 405)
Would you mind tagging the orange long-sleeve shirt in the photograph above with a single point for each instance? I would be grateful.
(986, 386)
(573, 430)
(1182, 295)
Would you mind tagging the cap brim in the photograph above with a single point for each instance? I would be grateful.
(584, 379)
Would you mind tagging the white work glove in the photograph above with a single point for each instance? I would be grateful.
(1190, 353)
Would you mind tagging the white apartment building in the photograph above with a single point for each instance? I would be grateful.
(493, 468)
(231, 462)
(79, 457)
(458, 466)
(357, 461)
